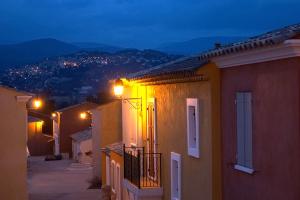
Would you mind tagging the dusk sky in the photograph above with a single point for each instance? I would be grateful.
(141, 23)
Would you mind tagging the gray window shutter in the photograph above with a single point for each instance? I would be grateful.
(244, 128)
(248, 129)
(240, 123)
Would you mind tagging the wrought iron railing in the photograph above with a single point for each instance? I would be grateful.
(141, 168)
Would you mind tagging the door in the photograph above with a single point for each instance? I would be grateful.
(151, 139)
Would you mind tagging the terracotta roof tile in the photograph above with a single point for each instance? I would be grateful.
(267, 39)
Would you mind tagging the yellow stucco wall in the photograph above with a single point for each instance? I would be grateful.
(106, 129)
(13, 156)
(201, 177)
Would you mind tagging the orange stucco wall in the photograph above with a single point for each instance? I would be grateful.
(13, 156)
(106, 129)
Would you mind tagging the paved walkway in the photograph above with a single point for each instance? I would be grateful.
(59, 180)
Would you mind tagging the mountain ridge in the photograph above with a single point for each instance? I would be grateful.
(13, 55)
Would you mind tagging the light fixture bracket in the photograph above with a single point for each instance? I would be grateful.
(136, 103)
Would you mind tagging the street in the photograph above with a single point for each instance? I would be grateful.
(59, 180)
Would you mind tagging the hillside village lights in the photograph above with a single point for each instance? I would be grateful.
(118, 88)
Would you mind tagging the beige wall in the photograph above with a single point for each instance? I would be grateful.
(13, 156)
(84, 147)
(200, 176)
(106, 129)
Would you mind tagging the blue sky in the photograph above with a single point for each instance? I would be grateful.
(141, 23)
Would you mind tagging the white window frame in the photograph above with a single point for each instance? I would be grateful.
(244, 159)
(112, 175)
(176, 157)
(107, 158)
(118, 181)
(193, 151)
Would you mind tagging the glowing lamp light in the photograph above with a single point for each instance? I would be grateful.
(118, 87)
(53, 115)
(37, 103)
(83, 115)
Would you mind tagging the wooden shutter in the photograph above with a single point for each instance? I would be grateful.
(248, 129)
(244, 128)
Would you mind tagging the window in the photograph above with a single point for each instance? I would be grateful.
(112, 175)
(193, 127)
(175, 176)
(107, 170)
(118, 182)
(244, 131)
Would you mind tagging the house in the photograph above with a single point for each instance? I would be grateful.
(68, 121)
(170, 132)
(13, 132)
(38, 142)
(82, 146)
(260, 115)
(106, 130)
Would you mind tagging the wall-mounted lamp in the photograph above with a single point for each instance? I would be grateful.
(119, 89)
(83, 115)
(37, 103)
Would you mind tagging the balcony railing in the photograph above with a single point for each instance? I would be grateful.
(142, 169)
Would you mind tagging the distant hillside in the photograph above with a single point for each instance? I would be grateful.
(33, 51)
(89, 46)
(196, 45)
(70, 78)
